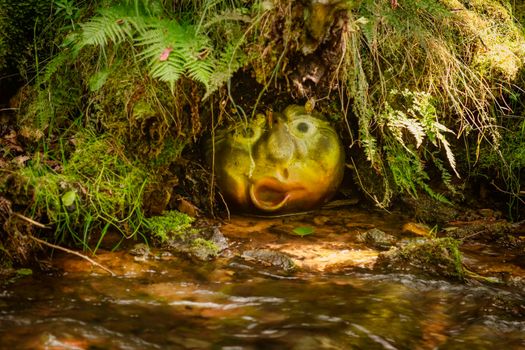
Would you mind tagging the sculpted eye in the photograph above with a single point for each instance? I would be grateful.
(247, 135)
(303, 127)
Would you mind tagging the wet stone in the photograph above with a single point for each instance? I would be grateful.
(428, 210)
(489, 213)
(320, 220)
(377, 239)
(417, 229)
(437, 257)
(270, 257)
(219, 240)
(201, 244)
(140, 251)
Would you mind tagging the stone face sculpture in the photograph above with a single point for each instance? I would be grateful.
(291, 163)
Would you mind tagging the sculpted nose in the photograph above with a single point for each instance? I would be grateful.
(280, 143)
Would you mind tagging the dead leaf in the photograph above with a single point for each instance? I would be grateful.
(187, 208)
(417, 229)
(165, 54)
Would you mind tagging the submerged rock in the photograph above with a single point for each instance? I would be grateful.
(377, 239)
(201, 244)
(438, 257)
(140, 251)
(480, 230)
(270, 257)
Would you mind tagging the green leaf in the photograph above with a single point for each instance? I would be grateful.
(24, 272)
(303, 230)
(69, 198)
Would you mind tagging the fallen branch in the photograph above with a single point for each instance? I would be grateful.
(31, 221)
(54, 246)
(72, 252)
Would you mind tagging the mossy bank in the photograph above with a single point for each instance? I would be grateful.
(106, 129)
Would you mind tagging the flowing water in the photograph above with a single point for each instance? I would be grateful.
(172, 303)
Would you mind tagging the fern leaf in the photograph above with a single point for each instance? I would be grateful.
(173, 49)
(200, 70)
(437, 196)
(399, 120)
(155, 41)
(55, 64)
(449, 153)
(108, 27)
(435, 130)
(168, 71)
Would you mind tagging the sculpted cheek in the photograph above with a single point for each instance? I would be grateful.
(327, 154)
(232, 173)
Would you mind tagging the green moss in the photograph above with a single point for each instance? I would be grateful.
(438, 256)
(168, 225)
(205, 248)
(96, 189)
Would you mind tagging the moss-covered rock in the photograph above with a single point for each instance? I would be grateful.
(437, 257)
(201, 244)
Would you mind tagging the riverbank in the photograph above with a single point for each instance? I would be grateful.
(112, 131)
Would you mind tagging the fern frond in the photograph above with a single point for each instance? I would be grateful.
(104, 29)
(435, 132)
(112, 25)
(445, 175)
(405, 167)
(173, 49)
(168, 71)
(158, 41)
(422, 122)
(437, 196)
(55, 64)
(200, 70)
(448, 151)
(369, 143)
(397, 121)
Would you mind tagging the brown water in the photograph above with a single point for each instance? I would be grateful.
(171, 303)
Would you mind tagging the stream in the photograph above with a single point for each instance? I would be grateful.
(165, 301)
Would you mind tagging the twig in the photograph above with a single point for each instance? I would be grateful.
(31, 221)
(226, 204)
(373, 197)
(516, 195)
(462, 239)
(37, 224)
(72, 252)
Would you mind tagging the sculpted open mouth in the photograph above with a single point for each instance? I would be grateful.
(269, 194)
